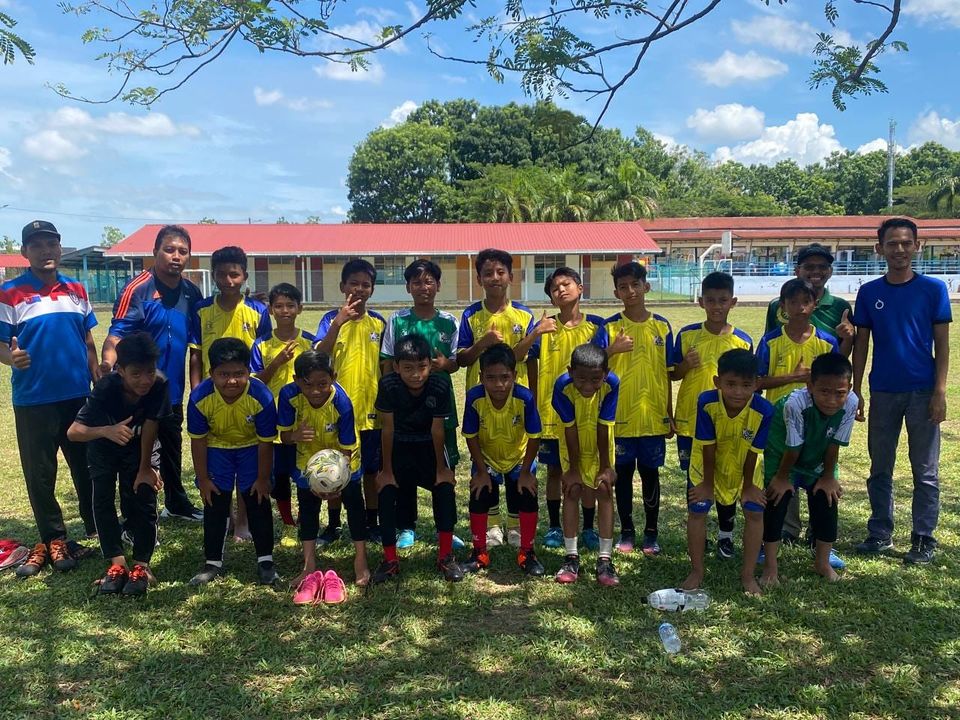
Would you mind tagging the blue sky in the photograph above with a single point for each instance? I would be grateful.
(255, 137)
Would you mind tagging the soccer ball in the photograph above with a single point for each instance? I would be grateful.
(328, 471)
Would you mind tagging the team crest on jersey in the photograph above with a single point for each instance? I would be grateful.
(444, 337)
(74, 297)
(329, 427)
(658, 341)
(517, 329)
(831, 432)
(250, 419)
(516, 419)
(33, 299)
(374, 337)
(431, 402)
(247, 327)
(208, 326)
(747, 434)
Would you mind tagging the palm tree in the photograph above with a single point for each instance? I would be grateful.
(568, 197)
(628, 193)
(946, 190)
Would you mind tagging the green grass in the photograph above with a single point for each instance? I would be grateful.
(883, 643)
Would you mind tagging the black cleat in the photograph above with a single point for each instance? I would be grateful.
(921, 551)
(725, 548)
(267, 573)
(137, 582)
(388, 570)
(450, 568)
(208, 574)
(528, 562)
(114, 580)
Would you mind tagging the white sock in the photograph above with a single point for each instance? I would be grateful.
(725, 535)
(215, 563)
(570, 545)
(265, 558)
(606, 548)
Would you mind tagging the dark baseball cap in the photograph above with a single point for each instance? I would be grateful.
(812, 250)
(39, 227)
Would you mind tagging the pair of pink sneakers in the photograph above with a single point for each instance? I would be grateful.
(320, 586)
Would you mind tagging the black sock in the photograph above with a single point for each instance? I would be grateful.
(334, 513)
(553, 510)
(373, 518)
(588, 514)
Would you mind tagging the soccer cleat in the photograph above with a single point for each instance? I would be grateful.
(725, 548)
(607, 573)
(60, 556)
(137, 582)
(113, 580)
(79, 552)
(267, 573)
(528, 562)
(921, 550)
(590, 539)
(494, 536)
(388, 570)
(209, 573)
(874, 545)
(309, 590)
(513, 537)
(479, 560)
(334, 589)
(35, 561)
(626, 542)
(650, 545)
(553, 538)
(569, 571)
(14, 557)
(190, 514)
(329, 536)
(406, 539)
(450, 568)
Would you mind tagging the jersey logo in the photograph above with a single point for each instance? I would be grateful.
(74, 297)
(444, 337)
(431, 402)
(747, 434)
(329, 427)
(208, 326)
(831, 432)
(250, 418)
(374, 337)
(371, 416)
(516, 419)
(879, 304)
(247, 327)
(33, 299)
(517, 329)
(658, 341)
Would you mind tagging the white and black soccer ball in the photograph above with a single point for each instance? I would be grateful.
(328, 471)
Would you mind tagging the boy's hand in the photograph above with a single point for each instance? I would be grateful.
(207, 490)
(700, 493)
(121, 433)
(446, 476)
(303, 434)
(778, 487)
(623, 343)
(801, 373)
(385, 478)
(105, 368)
(285, 355)
(19, 358)
(606, 479)
(671, 433)
(480, 481)
(755, 495)
(691, 359)
(527, 482)
(845, 329)
(861, 415)
(546, 325)
(348, 311)
(571, 479)
(261, 490)
(492, 337)
(938, 407)
(830, 487)
(148, 477)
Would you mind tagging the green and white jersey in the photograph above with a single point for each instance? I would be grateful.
(799, 425)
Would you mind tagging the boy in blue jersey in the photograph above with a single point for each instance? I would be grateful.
(232, 423)
(731, 431)
(585, 400)
(502, 428)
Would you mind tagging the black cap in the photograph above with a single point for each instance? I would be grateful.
(812, 250)
(39, 227)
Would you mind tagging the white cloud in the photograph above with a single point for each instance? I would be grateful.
(266, 97)
(938, 129)
(415, 12)
(153, 124)
(802, 139)
(381, 15)
(338, 211)
(6, 163)
(400, 113)
(52, 146)
(361, 31)
(776, 31)
(342, 71)
(454, 79)
(727, 123)
(669, 142)
(299, 104)
(730, 68)
(934, 10)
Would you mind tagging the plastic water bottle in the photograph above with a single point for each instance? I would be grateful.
(669, 638)
(677, 600)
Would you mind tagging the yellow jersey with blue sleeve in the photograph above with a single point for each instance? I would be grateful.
(356, 360)
(552, 352)
(643, 372)
(249, 320)
(333, 425)
(502, 432)
(267, 347)
(778, 355)
(587, 414)
(710, 347)
(514, 323)
(734, 437)
(249, 419)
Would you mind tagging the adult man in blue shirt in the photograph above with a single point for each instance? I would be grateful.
(908, 316)
(160, 301)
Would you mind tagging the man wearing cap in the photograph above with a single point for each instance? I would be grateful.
(833, 315)
(45, 323)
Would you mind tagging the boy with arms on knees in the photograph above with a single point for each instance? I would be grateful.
(808, 429)
(585, 400)
(502, 428)
(120, 421)
(232, 423)
(352, 336)
(412, 403)
(316, 413)
(271, 361)
(640, 348)
(551, 344)
(484, 324)
(732, 427)
(695, 355)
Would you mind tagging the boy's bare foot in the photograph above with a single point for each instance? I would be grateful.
(828, 573)
(361, 571)
(363, 580)
(751, 586)
(769, 580)
(242, 534)
(693, 581)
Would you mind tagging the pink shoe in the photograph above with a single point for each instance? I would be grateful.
(334, 591)
(309, 590)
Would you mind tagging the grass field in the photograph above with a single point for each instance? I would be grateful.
(882, 643)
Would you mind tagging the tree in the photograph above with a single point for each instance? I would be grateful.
(111, 236)
(946, 191)
(628, 193)
(860, 181)
(206, 221)
(11, 43)
(313, 220)
(8, 246)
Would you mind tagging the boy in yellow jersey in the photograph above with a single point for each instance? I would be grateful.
(551, 344)
(314, 413)
(732, 427)
(352, 336)
(640, 347)
(502, 428)
(232, 423)
(585, 400)
(696, 352)
(785, 354)
(495, 319)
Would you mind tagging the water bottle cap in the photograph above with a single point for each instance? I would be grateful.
(665, 625)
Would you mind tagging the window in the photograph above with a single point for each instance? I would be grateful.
(390, 269)
(543, 265)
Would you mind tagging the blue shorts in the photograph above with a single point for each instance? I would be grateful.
(371, 451)
(684, 448)
(649, 451)
(233, 466)
(549, 453)
(699, 508)
(499, 477)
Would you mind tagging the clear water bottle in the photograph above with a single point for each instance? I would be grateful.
(676, 600)
(669, 638)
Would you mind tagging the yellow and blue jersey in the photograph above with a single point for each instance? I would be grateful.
(356, 360)
(734, 437)
(247, 321)
(333, 425)
(643, 372)
(267, 347)
(700, 379)
(587, 414)
(249, 419)
(514, 323)
(502, 432)
(778, 355)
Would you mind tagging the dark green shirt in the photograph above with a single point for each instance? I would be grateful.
(827, 315)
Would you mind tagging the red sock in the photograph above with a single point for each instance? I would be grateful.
(283, 507)
(478, 528)
(528, 529)
(390, 553)
(446, 543)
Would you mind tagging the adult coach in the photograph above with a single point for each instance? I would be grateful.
(908, 316)
(160, 301)
(45, 323)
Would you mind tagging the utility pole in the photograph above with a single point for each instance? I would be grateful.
(891, 161)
